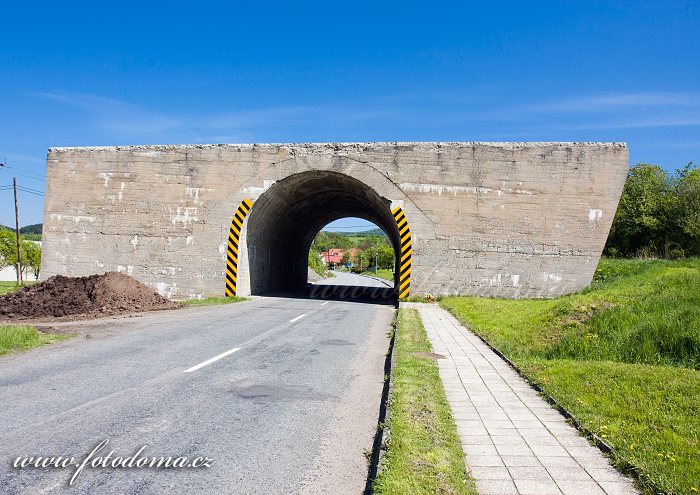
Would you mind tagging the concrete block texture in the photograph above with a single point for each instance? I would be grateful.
(491, 219)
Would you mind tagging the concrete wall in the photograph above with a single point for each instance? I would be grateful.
(493, 219)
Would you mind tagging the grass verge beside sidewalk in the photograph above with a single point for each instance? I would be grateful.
(14, 338)
(424, 454)
(623, 356)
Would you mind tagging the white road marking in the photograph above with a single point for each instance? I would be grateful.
(323, 304)
(209, 361)
(297, 318)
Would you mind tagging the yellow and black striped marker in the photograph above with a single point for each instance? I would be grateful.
(404, 288)
(234, 236)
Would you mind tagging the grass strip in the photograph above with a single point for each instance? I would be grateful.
(386, 274)
(15, 338)
(213, 301)
(424, 454)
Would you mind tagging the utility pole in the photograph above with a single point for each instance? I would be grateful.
(18, 267)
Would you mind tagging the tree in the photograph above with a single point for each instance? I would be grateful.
(687, 207)
(8, 248)
(658, 214)
(386, 257)
(321, 243)
(642, 217)
(31, 254)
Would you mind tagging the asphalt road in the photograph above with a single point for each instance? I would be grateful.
(290, 411)
(353, 280)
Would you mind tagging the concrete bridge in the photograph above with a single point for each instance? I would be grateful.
(491, 219)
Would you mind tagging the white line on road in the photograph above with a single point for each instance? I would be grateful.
(209, 361)
(323, 304)
(297, 318)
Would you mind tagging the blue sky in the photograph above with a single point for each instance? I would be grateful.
(102, 73)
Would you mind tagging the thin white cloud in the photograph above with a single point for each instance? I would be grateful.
(640, 123)
(117, 115)
(130, 120)
(617, 102)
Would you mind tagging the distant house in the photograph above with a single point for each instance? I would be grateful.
(332, 257)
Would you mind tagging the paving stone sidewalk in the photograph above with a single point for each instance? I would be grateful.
(514, 441)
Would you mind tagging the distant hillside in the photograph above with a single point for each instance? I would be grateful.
(363, 233)
(31, 232)
(32, 229)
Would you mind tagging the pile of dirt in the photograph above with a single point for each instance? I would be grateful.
(84, 297)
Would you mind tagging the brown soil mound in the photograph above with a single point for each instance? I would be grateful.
(94, 296)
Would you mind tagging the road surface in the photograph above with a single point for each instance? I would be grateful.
(290, 411)
(353, 280)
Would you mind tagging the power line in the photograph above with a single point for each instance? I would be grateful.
(39, 177)
(30, 192)
(30, 189)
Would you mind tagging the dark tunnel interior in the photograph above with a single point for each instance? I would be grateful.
(285, 219)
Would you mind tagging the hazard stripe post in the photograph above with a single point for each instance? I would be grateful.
(234, 236)
(404, 265)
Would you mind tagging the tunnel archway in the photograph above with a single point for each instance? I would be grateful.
(285, 219)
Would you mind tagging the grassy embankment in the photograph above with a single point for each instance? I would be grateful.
(623, 356)
(424, 454)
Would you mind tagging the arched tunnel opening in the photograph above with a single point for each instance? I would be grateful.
(285, 219)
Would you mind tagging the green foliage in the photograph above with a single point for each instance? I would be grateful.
(34, 229)
(316, 263)
(658, 214)
(31, 257)
(29, 232)
(424, 454)
(30, 251)
(379, 257)
(623, 356)
(687, 206)
(346, 240)
(8, 248)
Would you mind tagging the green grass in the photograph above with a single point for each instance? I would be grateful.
(211, 301)
(14, 338)
(7, 287)
(623, 356)
(384, 273)
(424, 455)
